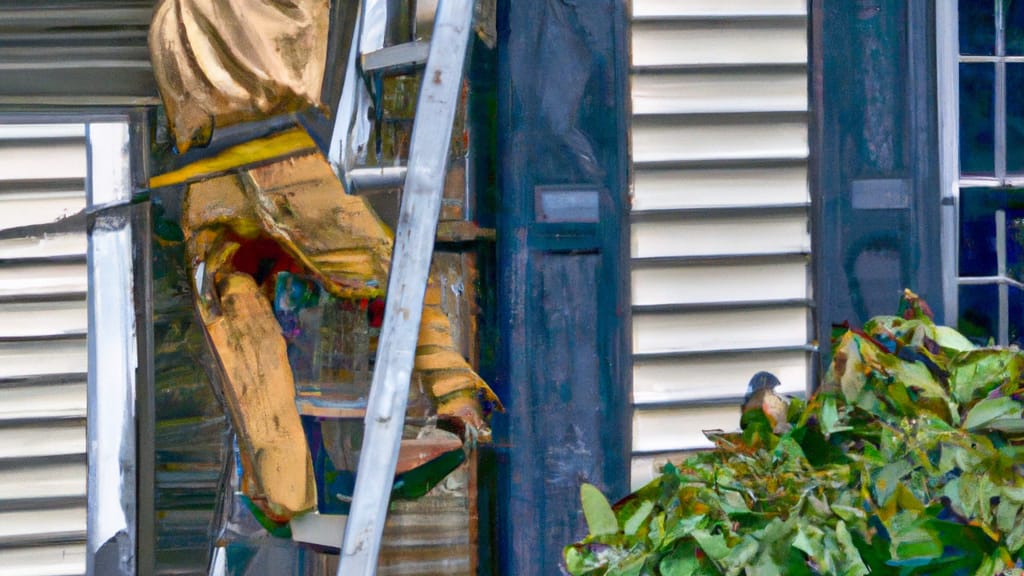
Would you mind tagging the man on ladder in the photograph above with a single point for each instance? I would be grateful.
(224, 62)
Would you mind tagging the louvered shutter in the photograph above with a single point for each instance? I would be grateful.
(43, 354)
(720, 221)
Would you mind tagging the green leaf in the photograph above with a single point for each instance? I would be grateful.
(911, 540)
(950, 339)
(574, 561)
(628, 567)
(1013, 425)
(684, 527)
(810, 540)
(740, 555)
(991, 409)
(600, 517)
(850, 560)
(829, 417)
(684, 561)
(975, 374)
(712, 544)
(914, 375)
(888, 479)
(849, 513)
(637, 519)
(1015, 539)
(1006, 515)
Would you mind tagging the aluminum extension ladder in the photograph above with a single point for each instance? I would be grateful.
(424, 177)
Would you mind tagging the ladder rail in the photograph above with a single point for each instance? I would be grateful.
(351, 123)
(410, 267)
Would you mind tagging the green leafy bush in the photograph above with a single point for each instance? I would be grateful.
(909, 460)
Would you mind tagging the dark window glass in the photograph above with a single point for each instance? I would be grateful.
(1014, 27)
(1015, 118)
(978, 232)
(977, 141)
(977, 27)
(978, 247)
(979, 313)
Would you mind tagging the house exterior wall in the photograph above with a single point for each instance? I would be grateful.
(720, 244)
(720, 224)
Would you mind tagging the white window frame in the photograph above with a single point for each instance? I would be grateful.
(113, 353)
(948, 61)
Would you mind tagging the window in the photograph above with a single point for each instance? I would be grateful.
(981, 74)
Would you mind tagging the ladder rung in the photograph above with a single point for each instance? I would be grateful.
(397, 58)
(460, 231)
(366, 180)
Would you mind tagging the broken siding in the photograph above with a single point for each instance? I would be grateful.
(43, 358)
(720, 239)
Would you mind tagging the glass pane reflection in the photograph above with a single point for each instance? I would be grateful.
(1015, 118)
(1014, 14)
(978, 247)
(977, 27)
(979, 314)
(977, 118)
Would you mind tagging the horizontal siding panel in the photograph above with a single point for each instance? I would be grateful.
(43, 247)
(75, 52)
(67, 560)
(705, 44)
(721, 235)
(703, 379)
(681, 429)
(64, 560)
(719, 330)
(38, 131)
(34, 319)
(31, 359)
(44, 481)
(43, 440)
(37, 401)
(720, 92)
(660, 189)
(717, 8)
(40, 280)
(720, 283)
(681, 139)
(41, 160)
(645, 468)
(42, 526)
(27, 208)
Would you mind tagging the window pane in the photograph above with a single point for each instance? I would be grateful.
(1015, 118)
(979, 318)
(978, 247)
(977, 27)
(979, 313)
(978, 231)
(976, 118)
(1014, 27)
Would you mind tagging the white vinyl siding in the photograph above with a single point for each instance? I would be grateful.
(720, 225)
(43, 353)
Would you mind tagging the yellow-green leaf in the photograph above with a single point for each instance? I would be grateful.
(991, 409)
(637, 519)
(598, 512)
